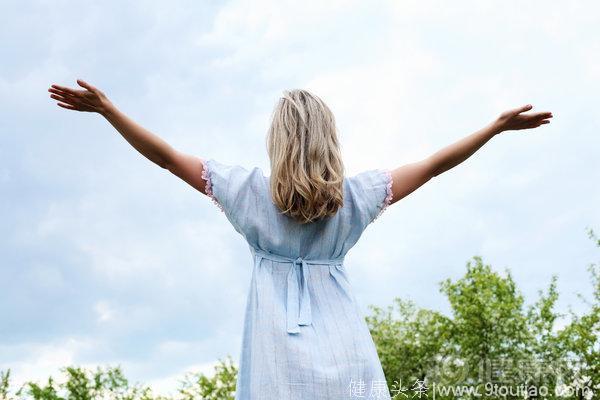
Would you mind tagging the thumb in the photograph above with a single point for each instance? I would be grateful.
(521, 109)
(86, 85)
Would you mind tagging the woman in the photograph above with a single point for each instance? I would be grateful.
(304, 335)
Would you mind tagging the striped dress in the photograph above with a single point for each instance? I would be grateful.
(304, 336)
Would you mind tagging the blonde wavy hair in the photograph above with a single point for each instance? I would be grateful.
(307, 171)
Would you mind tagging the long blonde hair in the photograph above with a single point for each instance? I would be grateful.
(307, 171)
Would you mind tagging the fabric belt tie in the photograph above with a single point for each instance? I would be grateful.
(297, 306)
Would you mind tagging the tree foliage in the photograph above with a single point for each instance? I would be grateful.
(492, 341)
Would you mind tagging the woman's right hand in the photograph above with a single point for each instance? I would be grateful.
(91, 99)
(515, 119)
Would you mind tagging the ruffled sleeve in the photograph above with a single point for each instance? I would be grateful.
(208, 168)
(388, 181)
(371, 193)
(233, 189)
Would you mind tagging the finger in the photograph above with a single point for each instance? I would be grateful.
(60, 92)
(64, 99)
(70, 91)
(86, 85)
(68, 100)
(67, 106)
(535, 118)
(540, 123)
(544, 114)
(521, 109)
(78, 102)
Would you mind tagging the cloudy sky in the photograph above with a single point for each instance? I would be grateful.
(107, 259)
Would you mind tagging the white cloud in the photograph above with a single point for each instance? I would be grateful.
(104, 311)
(38, 361)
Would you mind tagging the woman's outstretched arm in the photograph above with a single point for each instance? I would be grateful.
(92, 99)
(409, 177)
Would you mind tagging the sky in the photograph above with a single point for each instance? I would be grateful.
(107, 259)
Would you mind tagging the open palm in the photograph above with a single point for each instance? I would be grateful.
(90, 99)
(515, 119)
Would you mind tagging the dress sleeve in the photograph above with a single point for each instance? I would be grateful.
(232, 188)
(371, 193)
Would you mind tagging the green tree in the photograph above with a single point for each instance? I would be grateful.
(83, 384)
(110, 383)
(5, 385)
(488, 325)
(580, 339)
(221, 386)
(409, 341)
(491, 338)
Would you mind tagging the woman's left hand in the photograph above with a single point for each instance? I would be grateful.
(91, 99)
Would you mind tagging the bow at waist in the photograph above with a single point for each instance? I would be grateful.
(298, 310)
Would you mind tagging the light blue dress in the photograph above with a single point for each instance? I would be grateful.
(304, 335)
